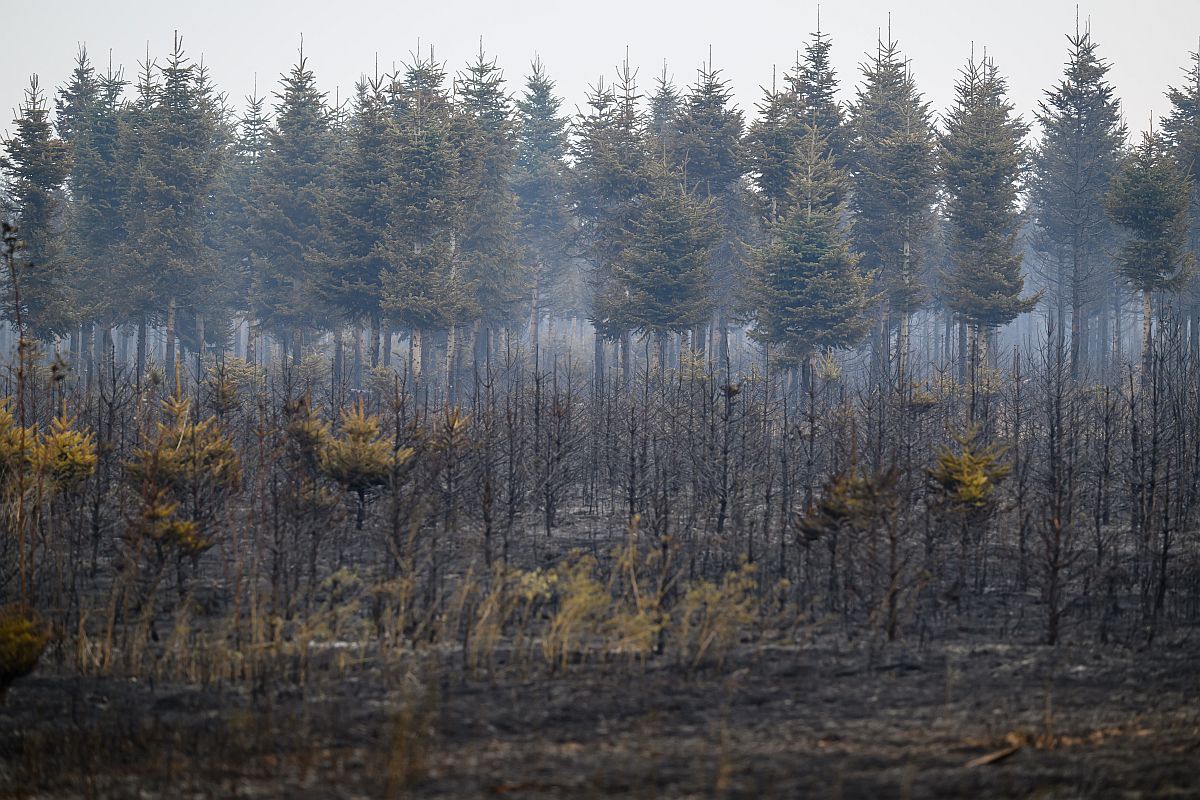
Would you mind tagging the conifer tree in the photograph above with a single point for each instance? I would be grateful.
(1149, 197)
(610, 174)
(665, 104)
(491, 251)
(36, 164)
(807, 292)
(423, 289)
(708, 154)
(232, 209)
(89, 121)
(286, 231)
(540, 182)
(1182, 129)
(1082, 136)
(808, 99)
(663, 271)
(357, 211)
(982, 157)
(814, 84)
(169, 193)
(893, 186)
(770, 149)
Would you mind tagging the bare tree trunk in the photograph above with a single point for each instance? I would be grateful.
(169, 344)
(534, 316)
(415, 353)
(358, 356)
(141, 350)
(451, 346)
(88, 345)
(1147, 343)
(251, 341)
(375, 333)
(297, 346)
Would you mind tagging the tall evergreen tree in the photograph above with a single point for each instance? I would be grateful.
(610, 174)
(357, 211)
(540, 182)
(982, 158)
(1149, 197)
(491, 251)
(1182, 129)
(286, 231)
(1082, 137)
(708, 154)
(423, 289)
(35, 163)
(814, 84)
(89, 121)
(663, 270)
(168, 195)
(807, 292)
(785, 113)
(893, 186)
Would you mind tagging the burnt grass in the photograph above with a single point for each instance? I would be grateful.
(824, 718)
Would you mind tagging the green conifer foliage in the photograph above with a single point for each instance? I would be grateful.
(287, 234)
(541, 182)
(807, 292)
(1082, 137)
(663, 269)
(1150, 197)
(893, 186)
(36, 163)
(982, 158)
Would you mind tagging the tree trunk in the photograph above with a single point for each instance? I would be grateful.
(199, 346)
(375, 333)
(598, 361)
(1147, 343)
(87, 345)
(297, 346)
(358, 356)
(534, 315)
(251, 342)
(415, 354)
(141, 351)
(626, 359)
(169, 344)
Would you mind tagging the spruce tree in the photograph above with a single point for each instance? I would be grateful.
(492, 253)
(357, 211)
(1182, 129)
(663, 270)
(610, 154)
(982, 157)
(540, 182)
(708, 154)
(893, 186)
(169, 194)
(806, 289)
(1150, 197)
(808, 99)
(423, 291)
(36, 164)
(89, 120)
(1082, 137)
(287, 234)
(814, 85)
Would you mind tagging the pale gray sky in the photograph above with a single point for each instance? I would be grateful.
(1147, 41)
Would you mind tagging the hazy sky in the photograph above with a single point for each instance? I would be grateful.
(1147, 41)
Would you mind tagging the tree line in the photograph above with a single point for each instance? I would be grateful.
(455, 214)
